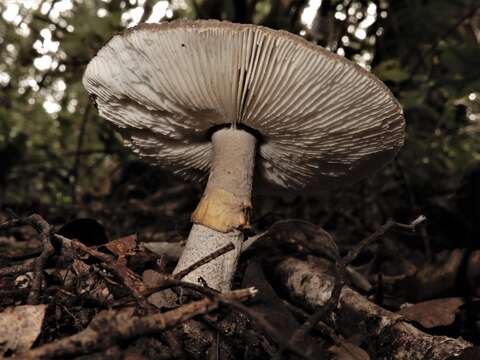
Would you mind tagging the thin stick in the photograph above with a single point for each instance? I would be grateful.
(205, 260)
(39, 265)
(12, 223)
(353, 253)
(127, 277)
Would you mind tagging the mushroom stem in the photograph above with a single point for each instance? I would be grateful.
(223, 210)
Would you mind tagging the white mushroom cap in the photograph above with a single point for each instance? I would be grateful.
(324, 121)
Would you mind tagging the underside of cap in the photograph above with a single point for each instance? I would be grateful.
(324, 121)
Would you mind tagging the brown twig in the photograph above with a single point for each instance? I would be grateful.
(38, 264)
(44, 229)
(12, 223)
(119, 269)
(353, 253)
(204, 260)
(112, 328)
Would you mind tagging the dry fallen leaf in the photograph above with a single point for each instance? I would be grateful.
(164, 299)
(20, 326)
(435, 279)
(433, 313)
(124, 246)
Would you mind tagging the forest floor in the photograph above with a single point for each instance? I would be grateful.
(100, 287)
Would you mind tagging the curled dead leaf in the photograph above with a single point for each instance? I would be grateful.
(433, 313)
(124, 246)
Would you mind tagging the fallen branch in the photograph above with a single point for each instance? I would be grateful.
(388, 334)
(111, 328)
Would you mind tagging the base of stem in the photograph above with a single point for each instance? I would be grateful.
(218, 273)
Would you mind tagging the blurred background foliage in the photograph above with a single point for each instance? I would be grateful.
(56, 153)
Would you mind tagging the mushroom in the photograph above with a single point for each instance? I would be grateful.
(223, 100)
